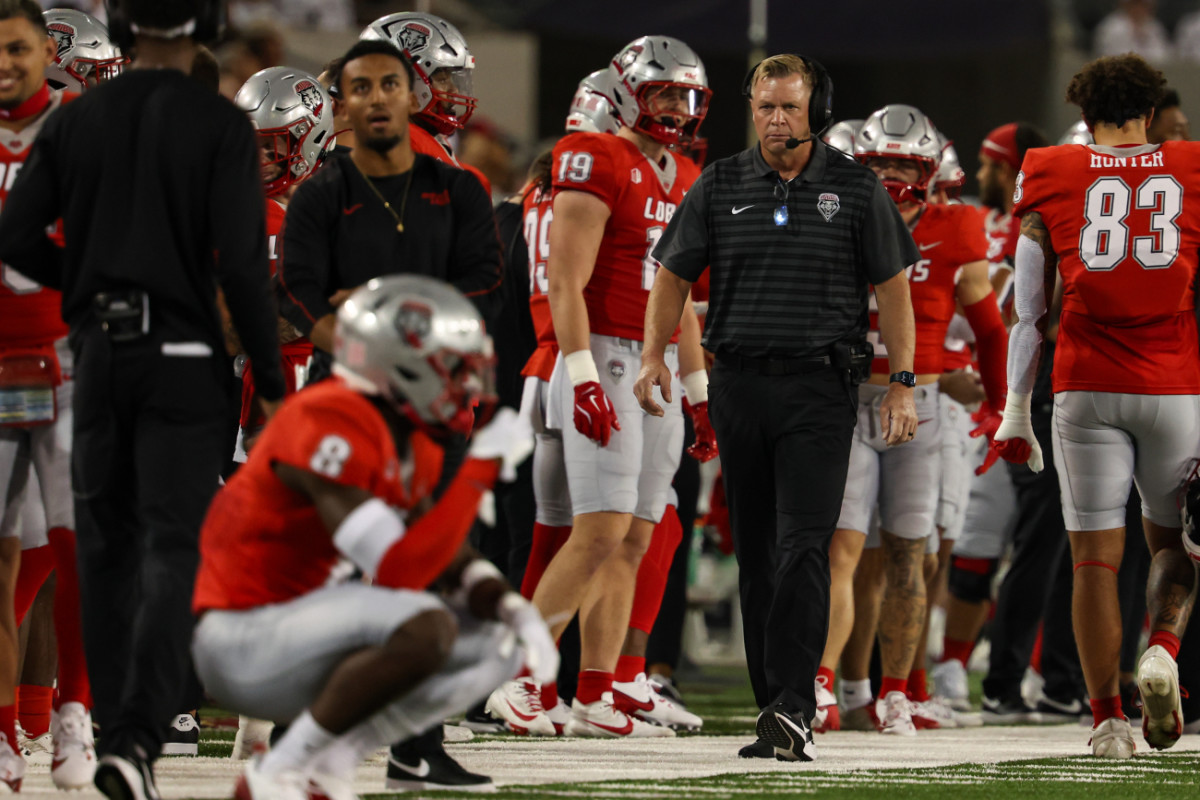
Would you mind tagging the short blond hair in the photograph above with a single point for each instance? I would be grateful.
(781, 66)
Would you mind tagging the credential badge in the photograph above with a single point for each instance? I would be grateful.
(829, 204)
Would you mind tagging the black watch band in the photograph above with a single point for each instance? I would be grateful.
(905, 378)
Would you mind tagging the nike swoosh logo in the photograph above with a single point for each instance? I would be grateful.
(517, 711)
(624, 730)
(640, 705)
(351, 209)
(924, 247)
(738, 210)
(421, 770)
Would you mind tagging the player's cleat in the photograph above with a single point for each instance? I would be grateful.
(1113, 738)
(253, 784)
(183, 737)
(253, 736)
(457, 734)
(862, 718)
(827, 717)
(895, 715)
(431, 771)
(73, 765)
(760, 749)
(637, 698)
(43, 743)
(933, 714)
(126, 777)
(560, 715)
(322, 786)
(950, 684)
(1158, 684)
(602, 719)
(786, 730)
(1013, 711)
(12, 767)
(519, 704)
(667, 688)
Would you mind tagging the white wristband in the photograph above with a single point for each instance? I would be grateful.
(511, 606)
(1018, 406)
(695, 387)
(473, 574)
(367, 533)
(581, 367)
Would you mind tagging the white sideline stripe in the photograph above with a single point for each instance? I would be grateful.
(186, 349)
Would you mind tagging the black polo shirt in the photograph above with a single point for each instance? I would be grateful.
(786, 285)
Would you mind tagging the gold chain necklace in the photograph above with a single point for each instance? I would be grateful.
(403, 203)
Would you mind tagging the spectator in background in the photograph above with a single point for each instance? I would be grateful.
(1132, 27)
(328, 15)
(486, 147)
(253, 50)
(1170, 124)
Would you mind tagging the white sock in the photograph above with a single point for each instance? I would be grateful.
(343, 755)
(856, 694)
(298, 747)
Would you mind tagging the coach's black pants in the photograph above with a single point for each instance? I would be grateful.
(785, 449)
(148, 448)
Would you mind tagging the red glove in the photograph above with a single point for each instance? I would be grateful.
(595, 416)
(988, 422)
(705, 447)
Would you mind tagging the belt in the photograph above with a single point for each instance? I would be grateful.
(774, 366)
(637, 346)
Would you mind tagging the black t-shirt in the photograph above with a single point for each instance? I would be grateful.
(338, 235)
(158, 185)
(513, 330)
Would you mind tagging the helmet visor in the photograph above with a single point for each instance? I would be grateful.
(670, 112)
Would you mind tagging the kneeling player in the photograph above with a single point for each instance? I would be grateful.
(351, 666)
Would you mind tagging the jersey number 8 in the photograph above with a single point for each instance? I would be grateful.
(1104, 241)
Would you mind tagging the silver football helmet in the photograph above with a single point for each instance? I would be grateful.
(86, 57)
(420, 344)
(659, 87)
(591, 110)
(901, 132)
(441, 60)
(950, 176)
(1077, 134)
(841, 135)
(294, 120)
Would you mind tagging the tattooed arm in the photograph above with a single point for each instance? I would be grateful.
(1036, 268)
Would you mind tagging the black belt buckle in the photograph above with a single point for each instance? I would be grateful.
(124, 315)
(855, 358)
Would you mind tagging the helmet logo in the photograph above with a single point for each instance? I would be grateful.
(626, 59)
(829, 204)
(310, 95)
(64, 38)
(415, 322)
(617, 370)
(413, 37)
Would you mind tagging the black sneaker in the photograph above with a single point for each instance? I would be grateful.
(183, 737)
(408, 772)
(1008, 712)
(480, 721)
(787, 731)
(759, 749)
(1056, 712)
(126, 777)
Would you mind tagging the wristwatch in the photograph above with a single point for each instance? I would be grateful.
(904, 378)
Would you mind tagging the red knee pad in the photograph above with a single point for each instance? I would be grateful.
(652, 573)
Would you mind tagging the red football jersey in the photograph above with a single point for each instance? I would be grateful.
(1126, 234)
(948, 236)
(30, 314)
(261, 542)
(425, 142)
(538, 216)
(642, 197)
(296, 354)
(1003, 230)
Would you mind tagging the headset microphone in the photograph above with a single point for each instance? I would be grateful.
(793, 142)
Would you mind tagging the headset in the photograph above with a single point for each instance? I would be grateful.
(210, 22)
(820, 104)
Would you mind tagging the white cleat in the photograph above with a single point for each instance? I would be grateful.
(1158, 683)
(1113, 738)
(12, 767)
(519, 704)
(827, 717)
(457, 734)
(253, 737)
(934, 713)
(895, 715)
(252, 784)
(601, 719)
(560, 715)
(950, 684)
(638, 698)
(74, 763)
